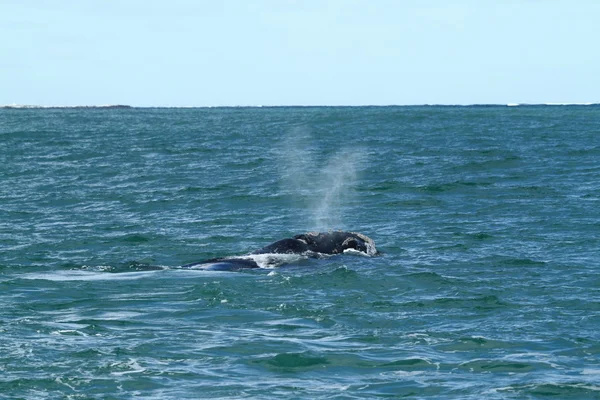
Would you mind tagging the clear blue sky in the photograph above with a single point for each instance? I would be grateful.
(303, 52)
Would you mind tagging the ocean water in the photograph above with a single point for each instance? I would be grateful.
(488, 285)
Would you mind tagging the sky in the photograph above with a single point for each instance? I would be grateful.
(198, 53)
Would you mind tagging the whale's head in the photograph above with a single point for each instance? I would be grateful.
(336, 242)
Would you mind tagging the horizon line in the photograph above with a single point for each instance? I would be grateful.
(127, 106)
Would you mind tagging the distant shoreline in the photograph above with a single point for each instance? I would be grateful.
(25, 106)
(124, 106)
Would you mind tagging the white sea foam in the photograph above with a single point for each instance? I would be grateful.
(273, 260)
(356, 252)
(78, 275)
(69, 332)
(130, 367)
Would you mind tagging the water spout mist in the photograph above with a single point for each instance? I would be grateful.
(323, 183)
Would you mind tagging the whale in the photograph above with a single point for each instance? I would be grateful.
(294, 249)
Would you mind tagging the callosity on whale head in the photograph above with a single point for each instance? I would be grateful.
(336, 242)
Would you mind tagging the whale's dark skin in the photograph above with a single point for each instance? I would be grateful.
(311, 244)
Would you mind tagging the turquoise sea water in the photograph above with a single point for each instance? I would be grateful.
(488, 219)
